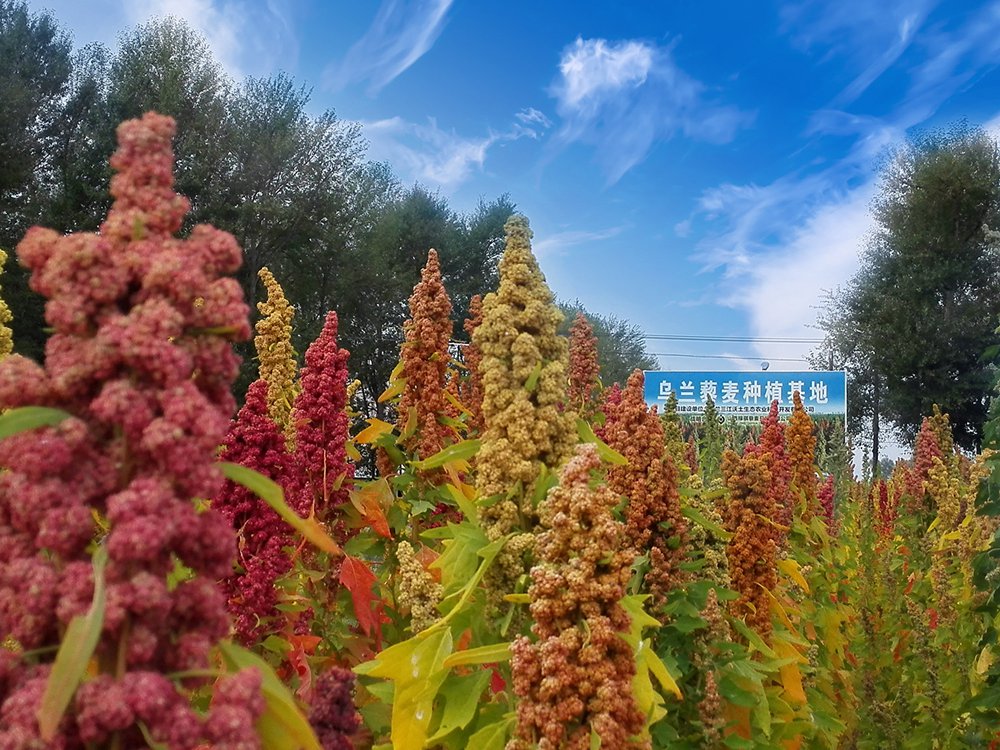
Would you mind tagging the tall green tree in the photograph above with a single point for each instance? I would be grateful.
(34, 73)
(621, 345)
(378, 274)
(35, 69)
(847, 347)
(926, 301)
(167, 66)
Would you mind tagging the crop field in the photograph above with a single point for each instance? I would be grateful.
(519, 557)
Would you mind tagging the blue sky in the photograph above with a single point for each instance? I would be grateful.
(696, 168)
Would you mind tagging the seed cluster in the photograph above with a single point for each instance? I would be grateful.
(653, 520)
(523, 368)
(425, 362)
(255, 442)
(752, 548)
(801, 443)
(320, 416)
(140, 356)
(584, 369)
(575, 677)
(471, 390)
(276, 355)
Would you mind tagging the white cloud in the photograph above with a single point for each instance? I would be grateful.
(560, 242)
(531, 116)
(592, 69)
(401, 33)
(530, 124)
(622, 97)
(781, 289)
(430, 154)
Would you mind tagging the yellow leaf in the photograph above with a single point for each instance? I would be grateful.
(791, 676)
(411, 423)
(376, 428)
(416, 667)
(985, 661)
(517, 598)
(659, 670)
(352, 451)
(456, 403)
(495, 652)
(395, 388)
(778, 609)
(791, 569)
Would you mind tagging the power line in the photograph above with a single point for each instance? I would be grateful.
(742, 339)
(726, 356)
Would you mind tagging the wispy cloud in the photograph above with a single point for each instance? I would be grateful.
(622, 97)
(246, 38)
(531, 122)
(432, 155)
(560, 242)
(782, 289)
(402, 32)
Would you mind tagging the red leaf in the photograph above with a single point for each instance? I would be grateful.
(300, 663)
(358, 578)
(497, 683)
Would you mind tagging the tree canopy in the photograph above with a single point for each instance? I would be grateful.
(296, 188)
(913, 324)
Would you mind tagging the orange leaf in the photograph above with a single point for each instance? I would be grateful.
(739, 720)
(371, 501)
(358, 579)
(425, 555)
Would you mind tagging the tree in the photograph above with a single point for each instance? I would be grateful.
(621, 346)
(845, 347)
(377, 275)
(470, 266)
(167, 66)
(34, 73)
(926, 301)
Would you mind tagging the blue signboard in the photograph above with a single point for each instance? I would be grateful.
(747, 396)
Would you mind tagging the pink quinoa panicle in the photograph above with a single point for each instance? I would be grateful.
(321, 422)
(255, 441)
(140, 356)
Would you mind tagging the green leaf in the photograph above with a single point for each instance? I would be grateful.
(532, 382)
(461, 451)
(606, 452)
(488, 553)
(495, 652)
(272, 494)
(493, 736)
(461, 695)
(24, 418)
(752, 638)
(75, 651)
(282, 726)
(467, 506)
(693, 514)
